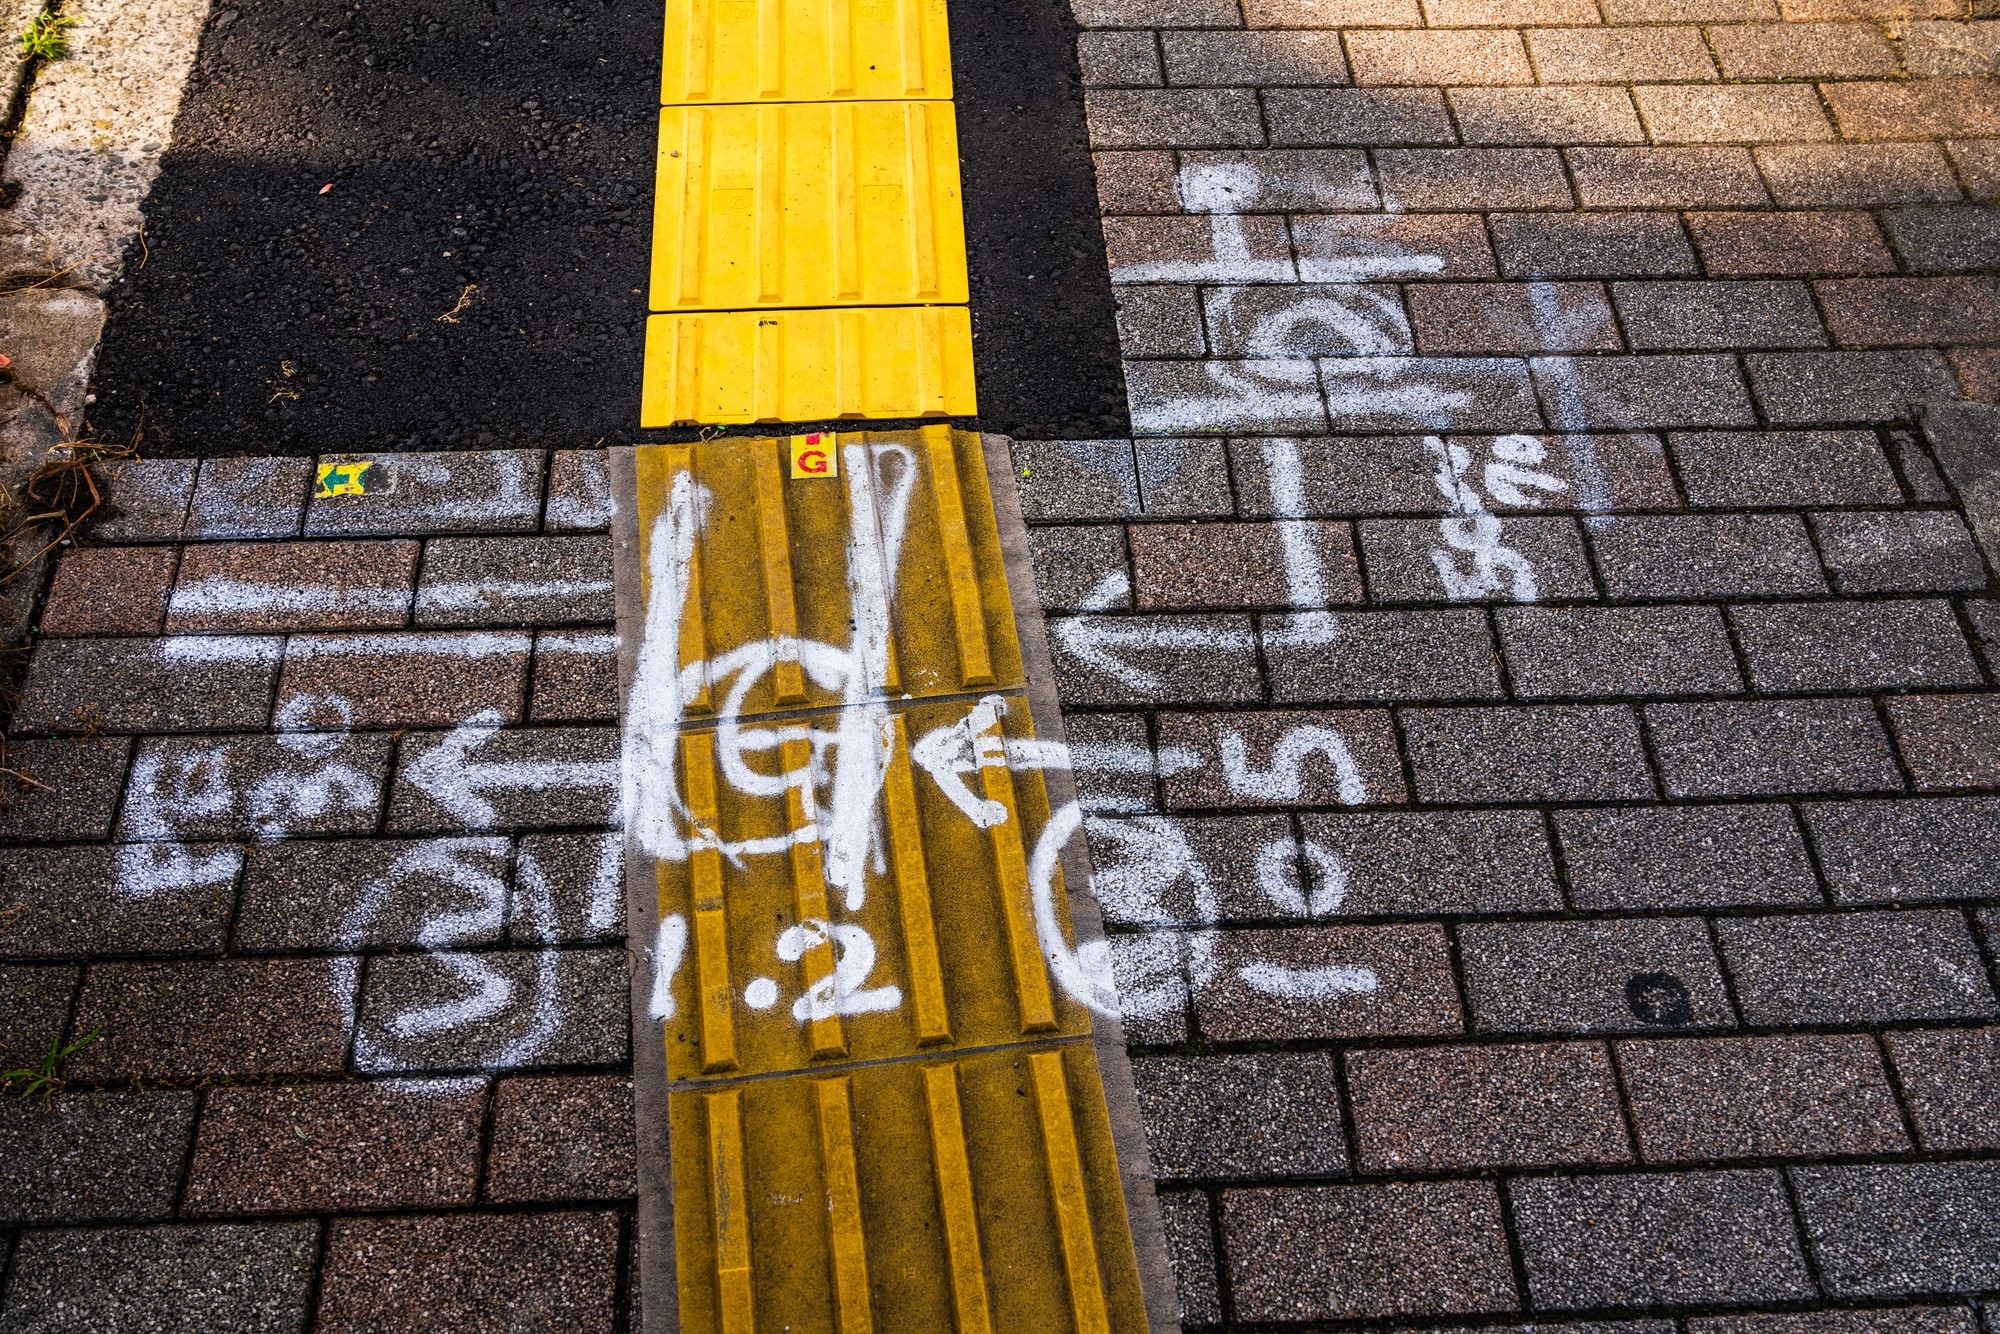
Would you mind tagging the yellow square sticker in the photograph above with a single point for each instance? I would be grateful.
(814, 455)
(342, 479)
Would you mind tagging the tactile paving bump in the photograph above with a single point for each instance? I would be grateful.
(829, 204)
(977, 1195)
(808, 365)
(804, 50)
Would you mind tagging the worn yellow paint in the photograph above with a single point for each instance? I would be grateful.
(815, 455)
(808, 365)
(804, 51)
(821, 204)
(944, 1163)
(342, 479)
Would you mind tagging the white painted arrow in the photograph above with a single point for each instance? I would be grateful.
(448, 775)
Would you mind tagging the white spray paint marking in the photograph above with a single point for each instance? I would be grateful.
(1327, 983)
(1478, 564)
(667, 955)
(563, 641)
(486, 594)
(1284, 779)
(470, 644)
(262, 649)
(448, 774)
(219, 595)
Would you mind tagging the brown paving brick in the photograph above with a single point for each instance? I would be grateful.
(564, 1137)
(1337, 1252)
(1330, 982)
(1908, 312)
(1582, 245)
(1832, 388)
(394, 1144)
(1933, 49)
(1896, 11)
(1948, 1077)
(576, 677)
(1176, 118)
(1802, 50)
(58, 907)
(422, 679)
(1948, 741)
(1438, 57)
(145, 500)
(172, 684)
(1547, 116)
(1904, 551)
(1141, 248)
(269, 586)
(1689, 11)
(1284, 757)
(1507, 13)
(34, 1011)
(1922, 109)
(90, 1156)
(1459, 1109)
(1805, 1096)
(579, 492)
(1371, 117)
(227, 1018)
(109, 591)
(1856, 175)
(74, 788)
(1280, 180)
(1437, 245)
(1262, 59)
(1665, 177)
(471, 1273)
(1456, 178)
(1513, 317)
(1785, 244)
(1738, 114)
(1619, 55)
(1718, 315)
(1330, 14)
(1231, 565)
(1118, 59)
(1136, 182)
(1978, 370)
(1874, 1320)
(250, 497)
(1978, 160)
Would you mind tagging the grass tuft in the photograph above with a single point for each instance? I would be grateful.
(46, 1079)
(45, 38)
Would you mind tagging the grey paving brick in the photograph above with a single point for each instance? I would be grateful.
(470, 778)
(1137, 181)
(178, 684)
(1183, 479)
(92, 1157)
(1619, 55)
(1801, 50)
(559, 1007)
(174, 900)
(270, 586)
(146, 500)
(34, 1011)
(1623, 393)
(263, 786)
(1506, 13)
(1732, 114)
(1151, 970)
(1448, 178)
(515, 581)
(1283, 757)
(1458, 1109)
(1366, 117)
(1855, 968)
(1556, 653)
(1771, 747)
(1430, 393)
(1172, 118)
(498, 491)
(1414, 246)
(569, 889)
(1948, 741)
(1399, 475)
(1547, 116)
(1176, 659)
(1510, 317)
(1750, 244)
(1437, 57)
(1718, 315)
(566, 1137)
(1540, 753)
(1119, 59)
(1329, 982)
(416, 679)
(1159, 322)
(1402, 558)
(1985, 618)
(1872, 1320)
(1272, 1115)
(463, 1271)
(1948, 1075)
(73, 792)
(1217, 868)
(1076, 479)
(1830, 388)
(1714, 1238)
(1261, 59)
(373, 894)
(1792, 1096)
(579, 491)
(1856, 175)
(1920, 471)
(1729, 470)
(1582, 245)
(391, 1144)
(1918, 851)
(1666, 178)
(224, 1279)
(1380, 656)
(1685, 857)
(1903, 1227)
(1191, 1249)
(575, 677)
(1909, 551)
(1312, 320)
(1697, 556)
(1331, 13)
(1112, 756)
(1946, 239)
(1911, 312)
(108, 591)
(1630, 976)
(1070, 563)
(214, 1019)
(1271, 395)
(1430, 862)
(250, 498)
(1337, 1252)
(1795, 646)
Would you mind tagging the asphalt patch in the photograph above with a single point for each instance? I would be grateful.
(414, 224)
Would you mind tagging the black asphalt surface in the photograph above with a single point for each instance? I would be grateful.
(475, 274)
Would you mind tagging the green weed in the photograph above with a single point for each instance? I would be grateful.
(44, 39)
(46, 1079)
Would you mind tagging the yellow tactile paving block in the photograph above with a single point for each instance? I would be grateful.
(850, 906)
(978, 1195)
(720, 51)
(885, 579)
(732, 367)
(795, 206)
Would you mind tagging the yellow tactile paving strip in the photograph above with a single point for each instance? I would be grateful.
(884, 1104)
(808, 164)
